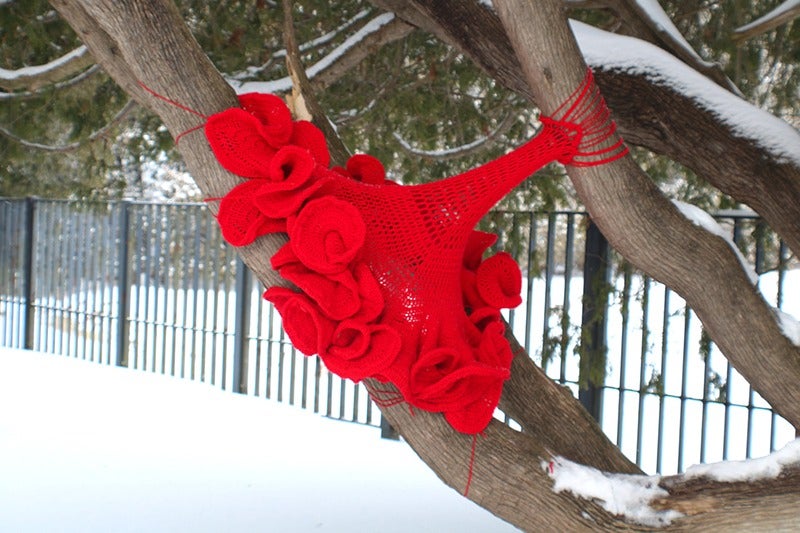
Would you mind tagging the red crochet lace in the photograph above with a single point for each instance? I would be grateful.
(390, 280)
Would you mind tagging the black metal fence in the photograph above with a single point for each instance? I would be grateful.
(153, 287)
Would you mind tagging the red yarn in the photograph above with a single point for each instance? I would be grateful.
(392, 281)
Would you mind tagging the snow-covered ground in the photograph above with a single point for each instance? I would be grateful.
(87, 447)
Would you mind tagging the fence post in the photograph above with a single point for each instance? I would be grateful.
(28, 273)
(387, 431)
(241, 324)
(593, 326)
(123, 287)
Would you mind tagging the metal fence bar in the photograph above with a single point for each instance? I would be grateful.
(241, 326)
(593, 341)
(77, 279)
(28, 273)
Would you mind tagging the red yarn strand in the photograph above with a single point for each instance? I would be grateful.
(170, 101)
(471, 464)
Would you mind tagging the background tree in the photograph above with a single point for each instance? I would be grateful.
(151, 42)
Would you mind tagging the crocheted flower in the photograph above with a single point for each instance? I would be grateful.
(499, 281)
(274, 118)
(335, 294)
(494, 349)
(475, 416)
(360, 350)
(477, 244)
(289, 182)
(447, 379)
(245, 139)
(367, 169)
(308, 136)
(327, 234)
(240, 219)
(306, 326)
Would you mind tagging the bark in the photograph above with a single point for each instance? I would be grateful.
(649, 114)
(145, 41)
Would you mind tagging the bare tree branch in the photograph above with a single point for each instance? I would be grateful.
(377, 33)
(71, 147)
(27, 95)
(459, 151)
(783, 14)
(33, 78)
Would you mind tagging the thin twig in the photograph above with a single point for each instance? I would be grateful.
(61, 148)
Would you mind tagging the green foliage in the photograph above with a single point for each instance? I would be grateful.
(414, 92)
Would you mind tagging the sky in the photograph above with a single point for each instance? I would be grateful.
(86, 447)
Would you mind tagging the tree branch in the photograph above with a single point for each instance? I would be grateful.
(339, 153)
(648, 230)
(63, 148)
(459, 151)
(33, 78)
(377, 33)
(26, 95)
(645, 110)
(783, 14)
(653, 25)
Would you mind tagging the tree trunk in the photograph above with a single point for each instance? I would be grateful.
(145, 41)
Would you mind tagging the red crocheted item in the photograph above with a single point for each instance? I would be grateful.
(390, 280)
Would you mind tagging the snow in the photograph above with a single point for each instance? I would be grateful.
(444, 152)
(37, 70)
(88, 447)
(707, 222)
(608, 51)
(623, 495)
(284, 84)
(662, 21)
(768, 467)
(790, 326)
(785, 7)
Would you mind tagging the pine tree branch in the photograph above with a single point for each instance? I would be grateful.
(71, 147)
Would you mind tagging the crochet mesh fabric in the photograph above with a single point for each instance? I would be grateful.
(390, 280)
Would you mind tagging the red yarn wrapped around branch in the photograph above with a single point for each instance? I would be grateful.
(391, 281)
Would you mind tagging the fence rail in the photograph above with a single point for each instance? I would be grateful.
(153, 287)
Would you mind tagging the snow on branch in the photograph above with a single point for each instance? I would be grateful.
(698, 217)
(457, 151)
(86, 74)
(623, 495)
(284, 84)
(607, 51)
(790, 326)
(304, 47)
(787, 11)
(768, 467)
(41, 75)
(658, 19)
